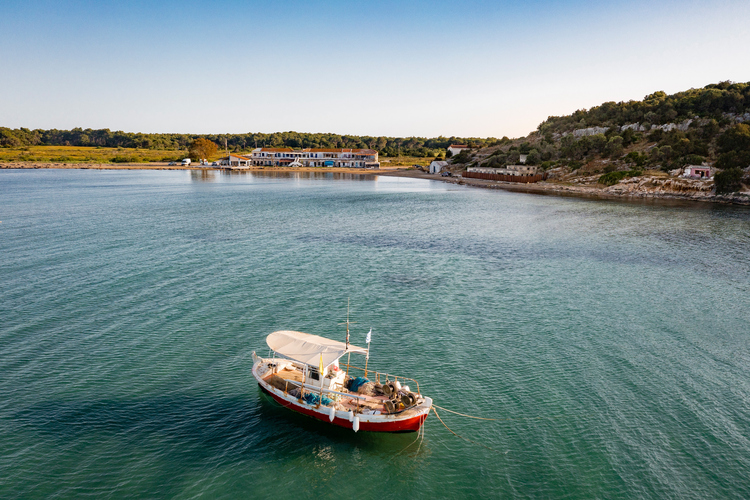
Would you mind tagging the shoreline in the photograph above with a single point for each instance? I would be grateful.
(539, 188)
(546, 188)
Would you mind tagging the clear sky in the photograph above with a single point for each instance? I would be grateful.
(377, 67)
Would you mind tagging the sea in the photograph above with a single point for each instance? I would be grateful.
(608, 341)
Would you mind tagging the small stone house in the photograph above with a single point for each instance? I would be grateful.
(437, 166)
(697, 172)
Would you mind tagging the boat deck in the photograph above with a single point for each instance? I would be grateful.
(357, 403)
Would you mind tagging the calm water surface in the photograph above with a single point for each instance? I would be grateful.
(610, 339)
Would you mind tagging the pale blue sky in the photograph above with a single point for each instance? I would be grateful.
(397, 68)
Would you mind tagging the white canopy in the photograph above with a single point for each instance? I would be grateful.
(307, 348)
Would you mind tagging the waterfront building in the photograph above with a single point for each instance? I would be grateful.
(519, 170)
(437, 166)
(315, 157)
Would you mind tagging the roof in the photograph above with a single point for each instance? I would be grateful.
(274, 150)
(307, 348)
(240, 156)
(340, 150)
(458, 146)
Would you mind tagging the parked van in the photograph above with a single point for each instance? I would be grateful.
(186, 161)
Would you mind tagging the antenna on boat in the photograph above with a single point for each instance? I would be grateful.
(348, 300)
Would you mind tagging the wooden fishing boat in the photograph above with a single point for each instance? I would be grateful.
(303, 374)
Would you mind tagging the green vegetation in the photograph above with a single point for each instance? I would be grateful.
(661, 132)
(78, 154)
(734, 145)
(419, 147)
(728, 181)
(202, 149)
(612, 178)
(713, 101)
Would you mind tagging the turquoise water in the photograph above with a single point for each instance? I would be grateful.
(610, 339)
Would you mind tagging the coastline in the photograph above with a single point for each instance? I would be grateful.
(581, 191)
(540, 188)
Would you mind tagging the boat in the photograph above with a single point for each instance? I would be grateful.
(303, 374)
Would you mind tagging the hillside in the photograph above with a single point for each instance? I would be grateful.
(661, 133)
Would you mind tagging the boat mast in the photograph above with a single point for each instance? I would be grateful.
(347, 323)
(348, 354)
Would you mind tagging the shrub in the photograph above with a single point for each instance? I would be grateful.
(733, 159)
(694, 159)
(123, 159)
(575, 165)
(637, 158)
(462, 157)
(728, 181)
(546, 165)
(612, 178)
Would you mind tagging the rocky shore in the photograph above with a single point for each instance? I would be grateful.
(646, 187)
(643, 187)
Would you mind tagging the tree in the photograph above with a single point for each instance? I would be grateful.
(728, 181)
(533, 157)
(614, 146)
(202, 149)
(734, 145)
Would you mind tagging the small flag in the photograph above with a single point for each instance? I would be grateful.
(320, 366)
(369, 337)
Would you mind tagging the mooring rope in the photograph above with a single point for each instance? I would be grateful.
(458, 435)
(420, 433)
(462, 414)
(495, 419)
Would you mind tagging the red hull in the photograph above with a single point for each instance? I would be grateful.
(405, 425)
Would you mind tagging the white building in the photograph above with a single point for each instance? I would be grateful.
(523, 170)
(437, 166)
(316, 157)
(236, 160)
(457, 148)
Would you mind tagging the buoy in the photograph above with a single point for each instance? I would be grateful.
(351, 416)
(331, 413)
(355, 424)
